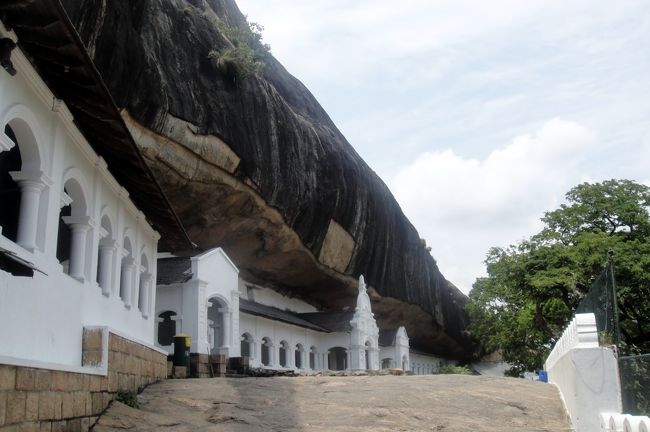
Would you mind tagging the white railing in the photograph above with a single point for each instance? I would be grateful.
(580, 333)
(612, 422)
(586, 374)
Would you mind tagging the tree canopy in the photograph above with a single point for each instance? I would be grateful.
(533, 288)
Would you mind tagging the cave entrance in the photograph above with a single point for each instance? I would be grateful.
(337, 359)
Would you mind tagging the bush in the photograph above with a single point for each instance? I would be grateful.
(236, 62)
(246, 54)
(128, 398)
(456, 370)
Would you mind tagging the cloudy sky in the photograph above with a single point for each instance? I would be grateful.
(478, 115)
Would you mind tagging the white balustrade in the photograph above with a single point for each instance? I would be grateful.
(613, 422)
(580, 333)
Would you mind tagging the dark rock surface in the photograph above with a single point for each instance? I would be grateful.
(258, 167)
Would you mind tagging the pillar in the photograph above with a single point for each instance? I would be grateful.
(106, 253)
(31, 185)
(128, 264)
(145, 291)
(227, 328)
(275, 357)
(79, 227)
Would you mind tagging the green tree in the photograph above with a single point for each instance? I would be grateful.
(532, 288)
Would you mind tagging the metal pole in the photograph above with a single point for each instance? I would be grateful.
(617, 325)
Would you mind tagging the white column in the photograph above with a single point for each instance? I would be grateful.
(106, 253)
(128, 264)
(143, 300)
(275, 357)
(79, 227)
(31, 186)
(227, 337)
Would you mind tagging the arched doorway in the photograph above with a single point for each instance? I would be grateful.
(166, 328)
(405, 363)
(246, 345)
(386, 363)
(217, 326)
(337, 359)
(267, 346)
(284, 354)
(299, 353)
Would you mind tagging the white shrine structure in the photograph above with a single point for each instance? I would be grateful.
(77, 254)
(204, 297)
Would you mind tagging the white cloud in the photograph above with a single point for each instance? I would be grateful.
(406, 81)
(463, 206)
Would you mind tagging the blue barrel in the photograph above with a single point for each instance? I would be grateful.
(543, 376)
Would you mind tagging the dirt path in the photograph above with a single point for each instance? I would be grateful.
(446, 403)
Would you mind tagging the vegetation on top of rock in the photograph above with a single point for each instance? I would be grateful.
(533, 288)
(246, 54)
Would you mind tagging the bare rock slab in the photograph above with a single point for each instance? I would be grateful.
(447, 403)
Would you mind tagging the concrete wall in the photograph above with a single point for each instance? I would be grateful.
(34, 397)
(585, 373)
(42, 317)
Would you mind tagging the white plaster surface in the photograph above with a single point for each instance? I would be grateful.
(214, 278)
(43, 317)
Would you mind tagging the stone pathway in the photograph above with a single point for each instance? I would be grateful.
(446, 403)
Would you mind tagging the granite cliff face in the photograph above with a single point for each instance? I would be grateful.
(257, 166)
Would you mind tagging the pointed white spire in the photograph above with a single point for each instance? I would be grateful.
(363, 301)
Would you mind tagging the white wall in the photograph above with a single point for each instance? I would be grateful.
(277, 331)
(425, 364)
(42, 317)
(214, 277)
(269, 297)
(585, 373)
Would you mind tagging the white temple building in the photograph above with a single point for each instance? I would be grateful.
(204, 297)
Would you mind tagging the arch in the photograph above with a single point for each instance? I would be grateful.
(218, 328)
(166, 329)
(299, 354)
(246, 345)
(405, 363)
(337, 358)
(267, 345)
(10, 193)
(386, 363)
(28, 136)
(312, 357)
(75, 186)
(284, 353)
(74, 225)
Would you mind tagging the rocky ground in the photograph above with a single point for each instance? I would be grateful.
(354, 403)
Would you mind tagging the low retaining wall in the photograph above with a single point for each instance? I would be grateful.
(47, 399)
(586, 374)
